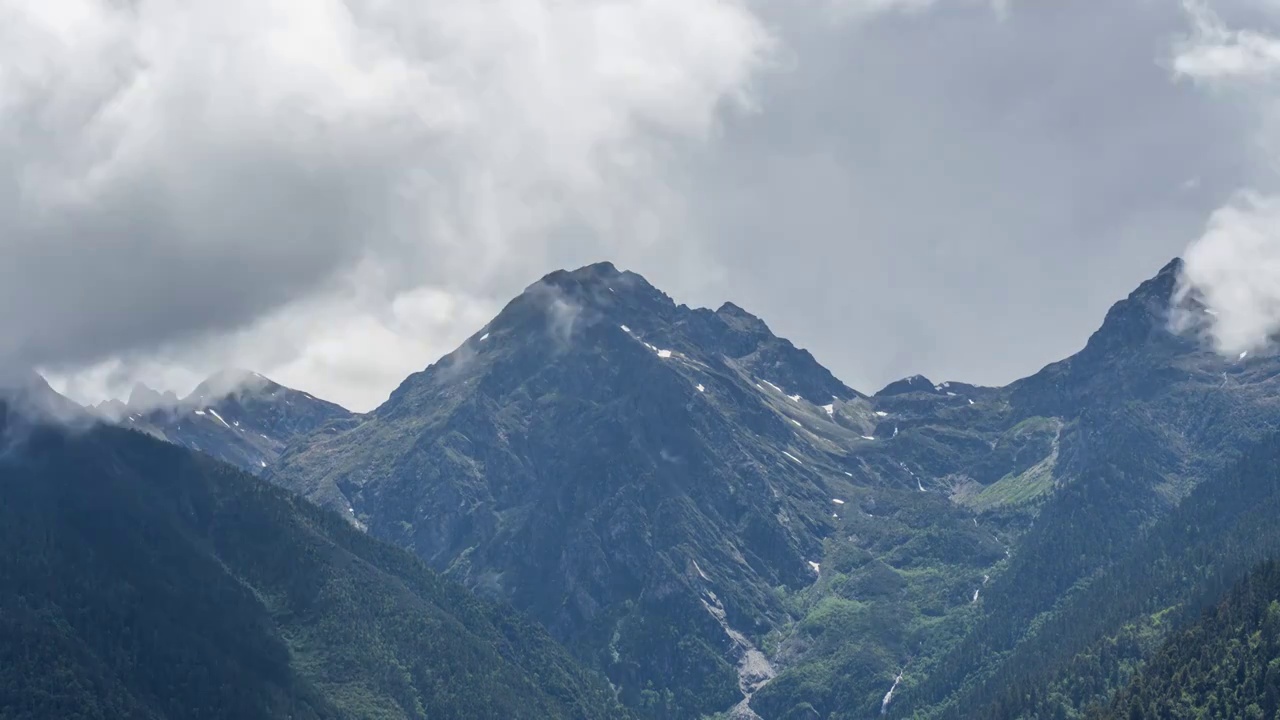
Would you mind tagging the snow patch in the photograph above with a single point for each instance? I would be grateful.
(200, 413)
(849, 474)
(262, 463)
(797, 422)
(1244, 355)
(815, 567)
(664, 354)
(831, 409)
(793, 457)
(970, 401)
(794, 398)
(867, 437)
(882, 413)
(218, 417)
(837, 501)
(701, 388)
(484, 337)
(775, 387)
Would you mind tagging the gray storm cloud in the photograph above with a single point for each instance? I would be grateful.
(179, 171)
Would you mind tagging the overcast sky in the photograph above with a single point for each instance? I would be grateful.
(336, 193)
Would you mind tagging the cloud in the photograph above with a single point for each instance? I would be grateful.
(336, 193)
(868, 9)
(1214, 52)
(178, 172)
(1232, 270)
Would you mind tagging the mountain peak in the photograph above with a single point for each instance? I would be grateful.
(915, 383)
(29, 395)
(228, 381)
(739, 319)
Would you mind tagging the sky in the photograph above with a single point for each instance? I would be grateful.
(336, 193)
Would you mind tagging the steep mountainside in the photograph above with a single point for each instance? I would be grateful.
(1226, 665)
(238, 417)
(141, 580)
(699, 507)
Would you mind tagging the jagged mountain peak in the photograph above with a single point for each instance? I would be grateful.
(238, 416)
(600, 314)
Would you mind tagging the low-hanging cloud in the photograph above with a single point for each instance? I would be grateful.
(176, 172)
(1232, 271)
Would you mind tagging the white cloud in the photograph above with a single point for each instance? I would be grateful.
(1215, 52)
(181, 171)
(1233, 268)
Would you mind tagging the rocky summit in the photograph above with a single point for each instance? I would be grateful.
(237, 416)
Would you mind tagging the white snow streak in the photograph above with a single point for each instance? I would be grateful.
(793, 457)
(837, 501)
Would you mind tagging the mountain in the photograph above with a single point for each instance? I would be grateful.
(1225, 665)
(658, 485)
(139, 579)
(629, 471)
(702, 510)
(27, 397)
(239, 417)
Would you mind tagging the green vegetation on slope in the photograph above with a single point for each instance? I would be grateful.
(140, 580)
(1225, 666)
